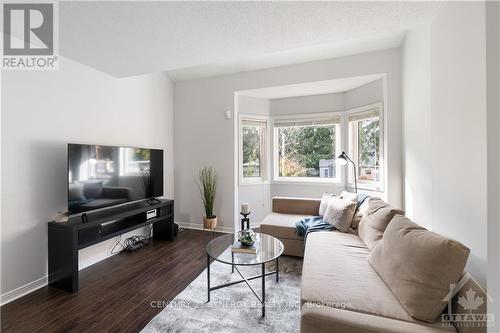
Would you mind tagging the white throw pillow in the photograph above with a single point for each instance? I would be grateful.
(339, 213)
(324, 203)
(349, 196)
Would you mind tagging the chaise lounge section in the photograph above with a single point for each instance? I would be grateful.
(281, 222)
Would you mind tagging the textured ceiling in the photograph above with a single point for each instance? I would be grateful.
(190, 39)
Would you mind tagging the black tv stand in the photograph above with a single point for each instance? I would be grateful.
(67, 238)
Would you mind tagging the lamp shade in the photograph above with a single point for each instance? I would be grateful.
(342, 159)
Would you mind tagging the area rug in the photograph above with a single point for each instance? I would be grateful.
(235, 308)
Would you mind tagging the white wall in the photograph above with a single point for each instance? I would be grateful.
(458, 126)
(370, 93)
(417, 126)
(41, 112)
(307, 104)
(204, 137)
(253, 105)
(444, 103)
(258, 196)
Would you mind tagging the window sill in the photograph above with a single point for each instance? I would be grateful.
(254, 183)
(307, 182)
(366, 187)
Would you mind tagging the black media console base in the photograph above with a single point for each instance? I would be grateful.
(66, 239)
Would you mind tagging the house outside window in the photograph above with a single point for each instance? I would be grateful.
(253, 134)
(327, 168)
(305, 147)
(366, 145)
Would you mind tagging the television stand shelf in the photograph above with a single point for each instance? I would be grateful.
(67, 238)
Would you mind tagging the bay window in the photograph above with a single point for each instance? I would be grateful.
(305, 147)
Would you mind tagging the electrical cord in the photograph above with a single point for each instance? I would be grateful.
(132, 243)
(118, 242)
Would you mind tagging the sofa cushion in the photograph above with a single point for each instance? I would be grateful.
(377, 217)
(293, 247)
(418, 266)
(324, 319)
(281, 225)
(300, 206)
(339, 213)
(359, 214)
(336, 273)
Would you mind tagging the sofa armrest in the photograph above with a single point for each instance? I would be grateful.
(325, 319)
(299, 206)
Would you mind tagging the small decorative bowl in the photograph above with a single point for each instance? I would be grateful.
(247, 237)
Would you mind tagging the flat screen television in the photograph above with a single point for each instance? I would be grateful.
(104, 176)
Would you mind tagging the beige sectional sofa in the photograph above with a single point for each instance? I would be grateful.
(341, 290)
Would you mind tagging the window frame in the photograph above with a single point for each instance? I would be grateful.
(352, 142)
(263, 178)
(277, 179)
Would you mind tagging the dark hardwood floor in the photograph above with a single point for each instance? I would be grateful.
(115, 294)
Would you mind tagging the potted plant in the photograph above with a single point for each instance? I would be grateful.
(207, 184)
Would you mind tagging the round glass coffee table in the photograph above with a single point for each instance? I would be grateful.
(269, 248)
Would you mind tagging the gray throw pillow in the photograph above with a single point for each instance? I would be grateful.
(339, 213)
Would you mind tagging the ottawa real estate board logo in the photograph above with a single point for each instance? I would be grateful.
(30, 38)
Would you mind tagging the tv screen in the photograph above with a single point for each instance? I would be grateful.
(104, 176)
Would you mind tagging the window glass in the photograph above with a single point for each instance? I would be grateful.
(251, 136)
(306, 151)
(369, 149)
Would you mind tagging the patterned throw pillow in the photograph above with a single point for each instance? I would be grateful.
(324, 203)
(339, 213)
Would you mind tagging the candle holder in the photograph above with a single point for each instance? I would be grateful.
(245, 219)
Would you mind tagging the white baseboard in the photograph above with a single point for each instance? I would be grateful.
(43, 281)
(23, 290)
(199, 226)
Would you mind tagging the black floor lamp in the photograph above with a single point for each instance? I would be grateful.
(342, 160)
